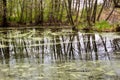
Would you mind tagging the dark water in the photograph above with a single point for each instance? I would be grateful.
(62, 55)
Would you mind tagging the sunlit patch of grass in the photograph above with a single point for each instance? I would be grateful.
(103, 26)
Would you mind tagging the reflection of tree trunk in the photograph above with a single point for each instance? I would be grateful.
(14, 48)
(71, 53)
(1, 52)
(89, 46)
(59, 48)
(43, 47)
(70, 45)
(103, 43)
(116, 44)
(88, 43)
(54, 48)
(6, 50)
(85, 46)
(79, 47)
(95, 47)
(26, 48)
(37, 48)
(64, 47)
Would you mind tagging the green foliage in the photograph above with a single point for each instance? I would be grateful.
(52, 11)
(102, 25)
(81, 26)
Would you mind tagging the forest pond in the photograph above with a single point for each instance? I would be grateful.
(35, 54)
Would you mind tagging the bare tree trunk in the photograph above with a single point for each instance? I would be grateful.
(69, 13)
(95, 47)
(110, 14)
(88, 12)
(31, 11)
(82, 12)
(22, 5)
(94, 11)
(4, 18)
(99, 15)
(18, 12)
(77, 15)
(26, 12)
(61, 13)
(10, 11)
(1, 9)
(41, 20)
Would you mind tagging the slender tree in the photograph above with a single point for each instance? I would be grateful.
(99, 15)
(1, 10)
(22, 6)
(69, 14)
(4, 18)
(94, 11)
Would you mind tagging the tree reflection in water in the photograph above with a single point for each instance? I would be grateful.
(60, 54)
(64, 47)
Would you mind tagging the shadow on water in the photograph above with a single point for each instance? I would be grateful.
(68, 53)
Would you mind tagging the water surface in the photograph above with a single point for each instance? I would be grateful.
(32, 54)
